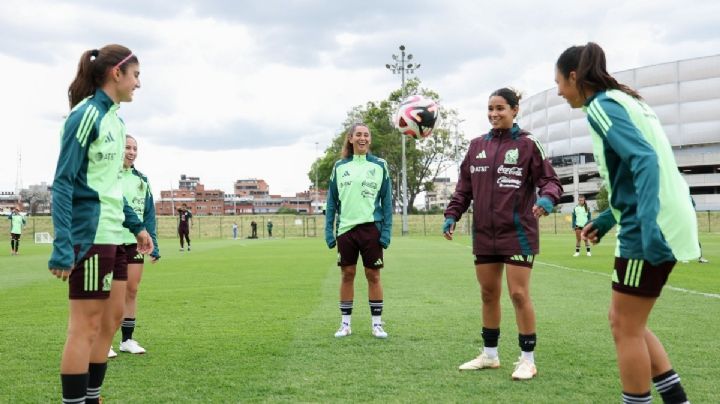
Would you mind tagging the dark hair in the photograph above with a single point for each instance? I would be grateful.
(585, 205)
(93, 68)
(347, 149)
(588, 63)
(510, 95)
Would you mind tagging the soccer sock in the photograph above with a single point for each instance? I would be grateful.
(128, 326)
(490, 338)
(12, 244)
(587, 247)
(74, 388)
(527, 346)
(669, 387)
(95, 381)
(17, 245)
(346, 307)
(644, 398)
(376, 307)
(577, 248)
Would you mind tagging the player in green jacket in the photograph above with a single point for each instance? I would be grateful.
(580, 217)
(136, 190)
(649, 201)
(360, 194)
(17, 222)
(90, 216)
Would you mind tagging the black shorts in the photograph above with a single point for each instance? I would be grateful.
(517, 260)
(93, 273)
(14, 236)
(363, 240)
(132, 254)
(183, 231)
(640, 278)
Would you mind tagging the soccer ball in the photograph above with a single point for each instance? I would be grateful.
(416, 116)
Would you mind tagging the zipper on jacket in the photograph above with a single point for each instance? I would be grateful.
(492, 193)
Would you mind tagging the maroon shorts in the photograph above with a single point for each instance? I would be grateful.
(92, 275)
(132, 254)
(517, 260)
(640, 278)
(14, 236)
(363, 240)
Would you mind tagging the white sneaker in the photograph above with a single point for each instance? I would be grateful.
(378, 332)
(131, 346)
(703, 260)
(111, 353)
(589, 254)
(524, 370)
(577, 254)
(343, 331)
(481, 362)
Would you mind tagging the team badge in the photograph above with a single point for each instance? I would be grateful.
(512, 155)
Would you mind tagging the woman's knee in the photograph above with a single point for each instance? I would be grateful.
(520, 297)
(490, 295)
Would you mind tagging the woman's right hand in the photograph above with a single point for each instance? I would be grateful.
(61, 273)
(448, 228)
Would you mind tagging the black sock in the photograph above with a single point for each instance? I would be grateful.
(17, 245)
(346, 307)
(527, 342)
(74, 388)
(644, 398)
(95, 381)
(376, 307)
(127, 328)
(577, 248)
(490, 337)
(587, 247)
(669, 387)
(12, 244)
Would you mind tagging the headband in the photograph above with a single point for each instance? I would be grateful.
(120, 63)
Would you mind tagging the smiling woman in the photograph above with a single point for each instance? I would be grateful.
(89, 213)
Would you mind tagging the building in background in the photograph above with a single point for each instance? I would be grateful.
(685, 95)
(191, 192)
(441, 194)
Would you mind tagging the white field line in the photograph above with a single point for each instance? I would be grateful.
(683, 290)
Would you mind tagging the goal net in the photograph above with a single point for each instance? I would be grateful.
(43, 238)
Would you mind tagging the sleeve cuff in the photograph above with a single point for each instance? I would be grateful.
(545, 203)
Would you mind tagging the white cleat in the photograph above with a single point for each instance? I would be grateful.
(378, 332)
(524, 370)
(577, 254)
(483, 361)
(703, 260)
(131, 346)
(111, 353)
(343, 331)
(589, 254)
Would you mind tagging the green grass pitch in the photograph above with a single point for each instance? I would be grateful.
(253, 321)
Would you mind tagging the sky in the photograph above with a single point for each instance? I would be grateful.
(258, 89)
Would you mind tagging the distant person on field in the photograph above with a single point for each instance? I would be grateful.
(269, 227)
(253, 229)
(184, 223)
(90, 216)
(500, 175)
(360, 184)
(137, 193)
(580, 217)
(650, 201)
(235, 230)
(17, 222)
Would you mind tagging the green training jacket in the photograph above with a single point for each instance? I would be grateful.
(87, 198)
(649, 199)
(137, 193)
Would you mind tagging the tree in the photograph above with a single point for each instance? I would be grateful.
(602, 199)
(36, 197)
(425, 159)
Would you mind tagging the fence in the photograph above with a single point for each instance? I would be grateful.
(314, 225)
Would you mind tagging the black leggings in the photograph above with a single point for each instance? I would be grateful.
(184, 233)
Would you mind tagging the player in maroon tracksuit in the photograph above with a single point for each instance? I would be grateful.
(499, 175)
(184, 223)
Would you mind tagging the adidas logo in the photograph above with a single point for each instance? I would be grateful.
(378, 262)
(109, 138)
(481, 155)
(346, 174)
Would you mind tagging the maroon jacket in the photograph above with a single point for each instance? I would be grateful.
(500, 173)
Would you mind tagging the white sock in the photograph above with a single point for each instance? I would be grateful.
(346, 319)
(528, 356)
(376, 320)
(491, 352)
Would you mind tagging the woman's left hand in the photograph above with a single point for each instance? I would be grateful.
(538, 211)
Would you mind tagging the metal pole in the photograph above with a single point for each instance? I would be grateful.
(315, 199)
(404, 162)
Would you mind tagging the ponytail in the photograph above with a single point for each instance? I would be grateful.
(93, 69)
(588, 63)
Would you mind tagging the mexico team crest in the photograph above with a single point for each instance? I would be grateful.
(512, 155)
